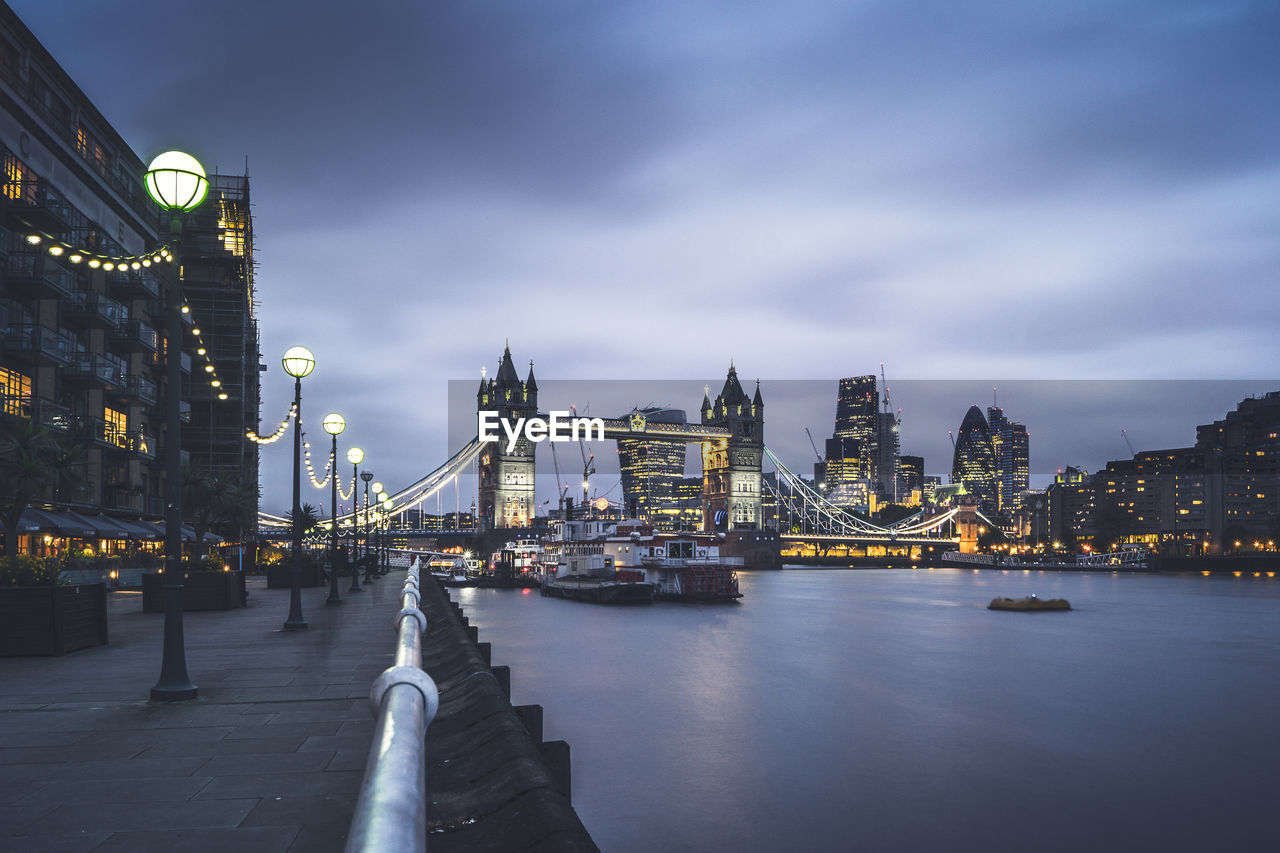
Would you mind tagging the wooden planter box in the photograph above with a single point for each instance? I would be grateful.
(200, 591)
(280, 575)
(52, 620)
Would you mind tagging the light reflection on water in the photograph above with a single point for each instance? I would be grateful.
(889, 710)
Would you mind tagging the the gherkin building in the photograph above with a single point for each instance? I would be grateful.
(974, 464)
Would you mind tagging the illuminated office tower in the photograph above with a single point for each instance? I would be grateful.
(1010, 448)
(911, 480)
(651, 469)
(974, 463)
(856, 409)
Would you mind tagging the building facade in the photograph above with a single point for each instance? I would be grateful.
(84, 347)
(1011, 449)
(218, 284)
(651, 469)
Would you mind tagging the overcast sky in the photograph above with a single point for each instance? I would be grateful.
(1074, 190)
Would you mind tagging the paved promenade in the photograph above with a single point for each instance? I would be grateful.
(268, 758)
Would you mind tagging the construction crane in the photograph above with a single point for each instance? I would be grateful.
(951, 435)
(560, 489)
(813, 444)
(1125, 435)
(588, 466)
(888, 404)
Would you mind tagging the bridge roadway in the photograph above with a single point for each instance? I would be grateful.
(268, 758)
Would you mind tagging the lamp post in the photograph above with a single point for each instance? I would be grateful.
(298, 362)
(177, 182)
(368, 542)
(334, 425)
(355, 456)
(386, 551)
(380, 520)
(370, 571)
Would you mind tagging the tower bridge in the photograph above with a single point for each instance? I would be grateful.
(735, 490)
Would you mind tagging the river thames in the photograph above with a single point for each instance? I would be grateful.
(888, 710)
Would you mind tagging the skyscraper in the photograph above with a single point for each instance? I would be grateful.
(862, 453)
(856, 408)
(651, 469)
(1010, 447)
(974, 463)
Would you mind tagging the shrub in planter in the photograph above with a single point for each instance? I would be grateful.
(39, 616)
(280, 575)
(204, 587)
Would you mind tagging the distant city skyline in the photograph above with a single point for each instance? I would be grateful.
(1055, 191)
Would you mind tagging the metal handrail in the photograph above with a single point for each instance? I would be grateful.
(391, 813)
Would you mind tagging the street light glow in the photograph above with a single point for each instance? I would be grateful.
(334, 424)
(177, 181)
(298, 362)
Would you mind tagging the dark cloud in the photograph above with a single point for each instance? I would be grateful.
(1066, 190)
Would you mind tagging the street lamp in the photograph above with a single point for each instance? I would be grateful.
(368, 539)
(375, 527)
(380, 513)
(366, 476)
(386, 550)
(178, 184)
(334, 425)
(355, 456)
(298, 362)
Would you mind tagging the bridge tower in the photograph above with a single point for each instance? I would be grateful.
(506, 479)
(731, 482)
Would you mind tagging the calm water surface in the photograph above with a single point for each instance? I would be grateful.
(887, 710)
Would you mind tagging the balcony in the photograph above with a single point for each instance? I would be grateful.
(38, 345)
(136, 336)
(95, 368)
(54, 416)
(39, 276)
(184, 359)
(184, 411)
(115, 437)
(137, 389)
(88, 429)
(134, 283)
(96, 310)
(143, 444)
(36, 206)
(122, 497)
(16, 405)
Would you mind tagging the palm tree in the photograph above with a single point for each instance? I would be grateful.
(34, 462)
(308, 519)
(212, 501)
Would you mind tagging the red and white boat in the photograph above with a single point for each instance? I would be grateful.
(680, 566)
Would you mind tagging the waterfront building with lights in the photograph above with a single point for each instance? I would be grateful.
(84, 351)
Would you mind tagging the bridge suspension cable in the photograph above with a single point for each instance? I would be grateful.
(406, 498)
(801, 500)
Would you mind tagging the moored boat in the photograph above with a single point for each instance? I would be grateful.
(592, 577)
(680, 566)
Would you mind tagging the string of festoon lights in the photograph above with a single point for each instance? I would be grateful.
(280, 430)
(328, 472)
(125, 264)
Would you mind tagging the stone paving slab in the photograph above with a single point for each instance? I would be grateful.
(268, 758)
